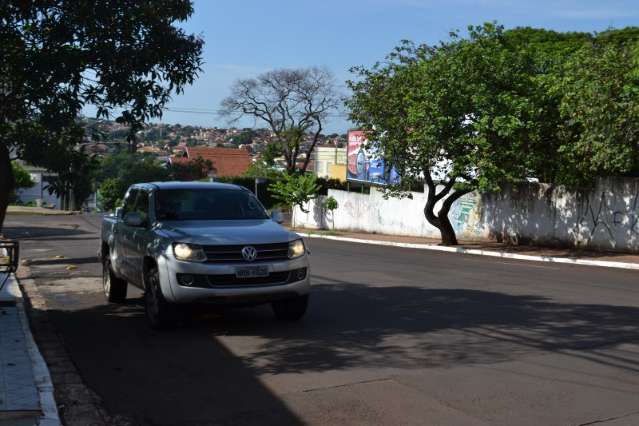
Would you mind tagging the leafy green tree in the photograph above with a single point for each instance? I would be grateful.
(499, 107)
(144, 167)
(22, 178)
(272, 151)
(259, 169)
(550, 46)
(618, 37)
(74, 179)
(110, 193)
(243, 138)
(295, 190)
(196, 169)
(462, 115)
(117, 172)
(58, 56)
(600, 109)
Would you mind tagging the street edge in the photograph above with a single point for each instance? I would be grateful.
(479, 252)
(50, 416)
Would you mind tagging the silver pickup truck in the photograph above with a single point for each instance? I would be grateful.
(205, 243)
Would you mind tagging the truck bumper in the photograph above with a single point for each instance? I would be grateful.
(235, 293)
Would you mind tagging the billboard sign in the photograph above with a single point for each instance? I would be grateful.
(365, 166)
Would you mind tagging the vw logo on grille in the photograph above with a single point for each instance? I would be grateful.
(249, 253)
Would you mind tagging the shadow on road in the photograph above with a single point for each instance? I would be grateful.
(193, 375)
(359, 325)
(177, 377)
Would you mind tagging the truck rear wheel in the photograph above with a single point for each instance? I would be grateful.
(290, 309)
(159, 312)
(114, 287)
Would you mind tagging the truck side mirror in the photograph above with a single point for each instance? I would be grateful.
(133, 219)
(118, 212)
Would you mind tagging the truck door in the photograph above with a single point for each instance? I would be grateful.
(123, 236)
(140, 237)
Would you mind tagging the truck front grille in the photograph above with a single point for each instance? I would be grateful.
(233, 254)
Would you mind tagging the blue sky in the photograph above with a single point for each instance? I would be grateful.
(246, 37)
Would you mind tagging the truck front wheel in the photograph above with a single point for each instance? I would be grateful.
(114, 287)
(159, 312)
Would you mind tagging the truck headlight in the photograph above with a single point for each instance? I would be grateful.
(189, 252)
(296, 249)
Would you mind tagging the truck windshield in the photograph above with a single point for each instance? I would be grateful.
(208, 204)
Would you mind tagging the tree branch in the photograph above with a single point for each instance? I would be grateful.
(309, 151)
(447, 187)
(448, 202)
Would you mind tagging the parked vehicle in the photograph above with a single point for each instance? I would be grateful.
(204, 243)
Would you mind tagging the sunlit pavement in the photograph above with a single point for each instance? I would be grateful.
(393, 336)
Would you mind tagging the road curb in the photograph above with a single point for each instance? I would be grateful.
(479, 252)
(50, 416)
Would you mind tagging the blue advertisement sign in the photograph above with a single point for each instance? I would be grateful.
(363, 166)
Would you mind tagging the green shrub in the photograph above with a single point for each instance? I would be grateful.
(22, 180)
(295, 190)
(110, 193)
(266, 195)
(331, 204)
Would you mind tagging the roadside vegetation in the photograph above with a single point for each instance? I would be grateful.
(123, 58)
(481, 110)
(22, 179)
(497, 107)
(292, 103)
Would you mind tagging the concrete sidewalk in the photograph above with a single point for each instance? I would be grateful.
(40, 211)
(486, 248)
(26, 392)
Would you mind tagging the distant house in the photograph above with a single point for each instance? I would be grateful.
(329, 162)
(38, 194)
(227, 162)
(150, 150)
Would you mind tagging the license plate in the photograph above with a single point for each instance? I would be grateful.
(251, 271)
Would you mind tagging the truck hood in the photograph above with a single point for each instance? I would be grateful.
(225, 232)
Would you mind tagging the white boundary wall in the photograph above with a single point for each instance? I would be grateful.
(606, 217)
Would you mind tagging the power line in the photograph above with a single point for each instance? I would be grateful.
(192, 110)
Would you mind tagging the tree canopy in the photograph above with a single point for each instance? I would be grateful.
(57, 56)
(599, 108)
(499, 107)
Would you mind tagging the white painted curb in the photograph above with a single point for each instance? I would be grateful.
(479, 252)
(41, 374)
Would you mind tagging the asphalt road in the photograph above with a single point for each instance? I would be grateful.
(393, 336)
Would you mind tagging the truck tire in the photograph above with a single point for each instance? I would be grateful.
(290, 309)
(159, 313)
(114, 287)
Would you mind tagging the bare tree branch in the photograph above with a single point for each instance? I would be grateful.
(292, 102)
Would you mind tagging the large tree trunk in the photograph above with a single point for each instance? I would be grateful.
(7, 182)
(447, 232)
(441, 220)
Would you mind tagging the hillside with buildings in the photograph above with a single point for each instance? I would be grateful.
(230, 151)
(159, 137)
(168, 141)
